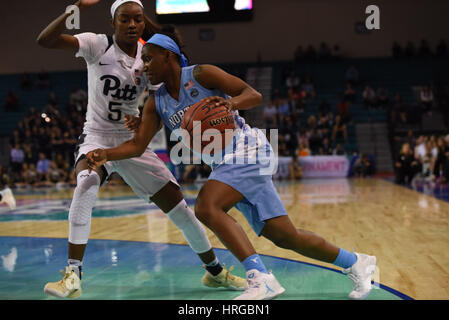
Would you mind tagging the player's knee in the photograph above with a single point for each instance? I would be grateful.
(204, 211)
(86, 180)
(84, 197)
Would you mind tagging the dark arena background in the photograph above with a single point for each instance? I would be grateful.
(358, 92)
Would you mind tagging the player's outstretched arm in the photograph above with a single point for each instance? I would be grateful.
(243, 96)
(148, 128)
(52, 36)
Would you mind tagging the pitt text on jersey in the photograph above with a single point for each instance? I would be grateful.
(111, 83)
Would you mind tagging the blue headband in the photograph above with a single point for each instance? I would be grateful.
(168, 43)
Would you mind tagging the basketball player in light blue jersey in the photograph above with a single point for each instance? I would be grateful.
(243, 184)
(115, 83)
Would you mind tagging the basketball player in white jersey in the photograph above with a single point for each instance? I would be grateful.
(115, 82)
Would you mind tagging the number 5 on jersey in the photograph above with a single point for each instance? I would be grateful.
(115, 114)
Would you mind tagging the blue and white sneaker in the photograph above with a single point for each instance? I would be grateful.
(261, 286)
(360, 274)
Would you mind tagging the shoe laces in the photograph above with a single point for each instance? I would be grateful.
(228, 274)
(65, 276)
(356, 279)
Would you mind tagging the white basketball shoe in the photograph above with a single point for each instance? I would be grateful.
(261, 286)
(8, 198)
(360, 274)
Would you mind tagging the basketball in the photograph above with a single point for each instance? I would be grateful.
(208, 123)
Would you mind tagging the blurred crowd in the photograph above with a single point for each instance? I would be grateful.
(423, 50)
(42, 145)
(422, 159)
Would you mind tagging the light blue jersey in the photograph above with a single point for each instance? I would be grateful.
(249, 145)
(247, 164)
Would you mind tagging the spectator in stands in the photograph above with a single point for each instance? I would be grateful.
(43, 80)
(420, 150)
(52, 99)
(30, 153)
(336, 52)
(299, 54)
(5, 178)
(445, 165)
(30, 175)
(382, 98)
(283, 111)
(339, 150)
(324, 53)
(310, 54)
(324, 107)
(409, 50)
(323, 125)
(15, 138)
(425, 172)
(426, 98)
(295, 101)
(57, 141)
(303, 150)
(339, 132)
(326, 148)
(440, 158)
(43, 166)
(398, 110)
(270, 115)
(78, 98)
(424, 49)
(349, 93)
(397, 51)
(55, 175)
(282, 146)
(292, 81)
(295, 169)
(369, 97)
(343, 108)
(362, 166)
(11, 102)
(25, 82)
(406, 166)
(17, 158)
(441, 50)
(44, 140)
(308, 87)
(352, 75)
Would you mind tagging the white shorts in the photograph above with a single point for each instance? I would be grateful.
(146, 174)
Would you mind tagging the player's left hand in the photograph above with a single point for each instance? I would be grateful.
(132, 123)
(96, 158)
(220, 101)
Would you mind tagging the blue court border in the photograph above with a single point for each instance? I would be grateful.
(384, 287)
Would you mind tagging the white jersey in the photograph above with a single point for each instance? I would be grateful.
(115, 83)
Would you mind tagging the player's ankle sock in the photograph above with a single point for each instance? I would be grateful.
(345, 259)
(76, 266)
(254, 262)
(214, 267)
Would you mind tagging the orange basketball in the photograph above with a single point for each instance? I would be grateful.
(208, 123)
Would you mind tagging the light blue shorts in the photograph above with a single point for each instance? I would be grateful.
(261, 200)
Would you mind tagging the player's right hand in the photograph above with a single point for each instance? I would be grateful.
(87, 3)
(96, 158)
